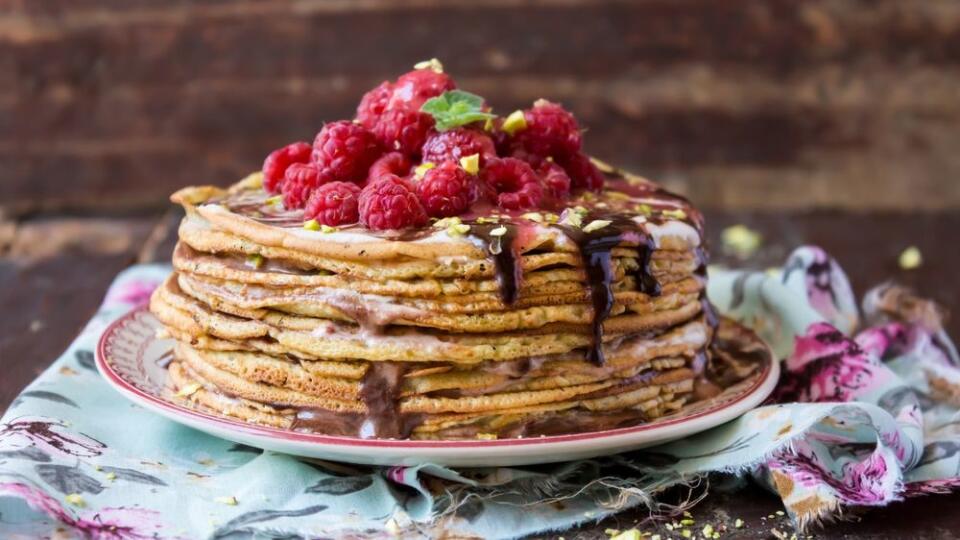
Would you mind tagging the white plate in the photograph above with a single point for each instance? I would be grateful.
(133, 361)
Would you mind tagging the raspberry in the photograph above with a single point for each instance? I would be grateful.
(346, 149)
(392, 163)
(403, 130)
(300, 181)
(583, 173)
(551, 131)
(515, 182)
(555, 179)
(277, 162)
(445, 190)
(390, 203)
(417, 86)
(334, 204)
(373, 104)
(457, 143)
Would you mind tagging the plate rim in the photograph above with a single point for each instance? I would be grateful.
(761, 388)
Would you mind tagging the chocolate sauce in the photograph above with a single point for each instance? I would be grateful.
(506, 256)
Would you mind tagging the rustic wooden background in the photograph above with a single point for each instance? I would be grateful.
(785, 104)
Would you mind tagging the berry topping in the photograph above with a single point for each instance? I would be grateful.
(515, 182)
(414, 88)
(392, 163)
(373, 104)
(458, 143)
(445, 190)
(334, 204)
(346, 149)
(403, 130)
(550, 131)
(390, 203)
(583, 173)
(275, 166)
(555, 179)
(300, 181)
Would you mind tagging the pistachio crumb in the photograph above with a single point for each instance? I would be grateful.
(488, 125)
(458, 229)
(229, 501)
(255, 260)
(596, 225)
(618, 195)
(75, 499)
(631, 534)
(643, 209)
(655, 537)
(514, 123)
(676, 214)
(686, 533)
(911, 258)
(327, 229)
(611, 532)
(422, 169)
(533, 216)
(738, 523)
(550, 217)
(707, 530)
(432, 64)
(740, 240)
(487, 436)
(189, 390)
(276, 200)
(499, 231)
(111, 476)
(312, 225)
(779, 512)
(471, 163)
(687, 522)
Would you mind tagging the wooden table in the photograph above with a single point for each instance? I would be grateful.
(54, 271)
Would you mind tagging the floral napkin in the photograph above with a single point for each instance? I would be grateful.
(865, 414)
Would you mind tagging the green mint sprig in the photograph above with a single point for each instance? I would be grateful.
(455, 108)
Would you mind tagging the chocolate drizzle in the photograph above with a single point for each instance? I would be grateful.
(506, 257)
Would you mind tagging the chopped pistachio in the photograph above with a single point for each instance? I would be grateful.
(446, 222)
(533, 216)
(602, 205)
(189, 390)
(327, 229)
(75, 499)
(255, 260)
(707, 530)
(229, 501)
(471, 163)
(596, 225)
(618, 195)
(422, 169)
(111, 476)
(669, 526)
(488, 124)
(687, 514)
(312, 225)
(488, 219)
(514, 122)
(487, 436)
(911, 258)
(588, 196)
(602, 165)
(779, 512)
(738, 523)
(740, 240)
(686, 533)
(276, 200)
(550, 217)
(632, 534)
(676, 214)
(499, 231)
(572, 218)
(655, 537)
(432, 64)
(643, 209)
(687, 522)
(611, 532)
(458, 229)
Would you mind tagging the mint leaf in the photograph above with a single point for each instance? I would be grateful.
(455, 108)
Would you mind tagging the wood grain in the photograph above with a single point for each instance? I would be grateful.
(749, 105)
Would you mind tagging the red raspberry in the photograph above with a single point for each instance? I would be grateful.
(414, 88)
(583, 173)
(334, 204)
(300, 181)
(457, 143)
(347, 149)
(555, 179)
(515, 182)
(373, 104)
(391, 203)
(403, 130)
(445, 190)
(392, 163)
(277, 162)
(551, 131)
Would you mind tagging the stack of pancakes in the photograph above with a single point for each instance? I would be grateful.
(515, 325)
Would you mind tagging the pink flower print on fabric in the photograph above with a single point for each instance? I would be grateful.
(827, 287)
(861, 482)
(53, 436)
(134, 292)
(99, 524)
(827, 366)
